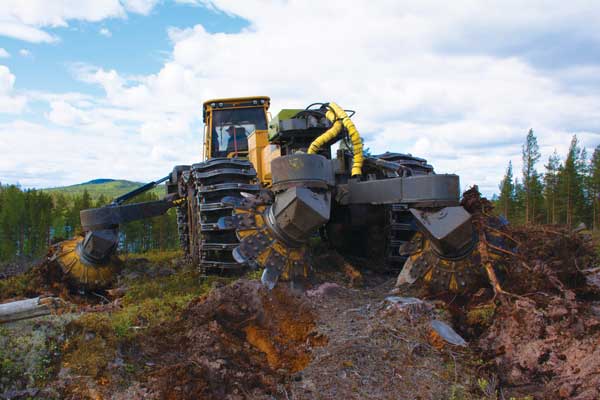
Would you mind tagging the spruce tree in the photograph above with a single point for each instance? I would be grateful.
(594, 187)
(551, 187)
(507, 192)
(530, 156)
(570, 182)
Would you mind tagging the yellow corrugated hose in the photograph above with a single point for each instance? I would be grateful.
(328, 135)
(338, 116)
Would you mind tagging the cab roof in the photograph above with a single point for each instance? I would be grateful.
(236, 99)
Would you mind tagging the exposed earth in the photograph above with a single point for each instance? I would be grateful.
(165, 332)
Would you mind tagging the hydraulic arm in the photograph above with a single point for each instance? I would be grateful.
(90, 258)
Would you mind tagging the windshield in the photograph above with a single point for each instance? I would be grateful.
(231, 127)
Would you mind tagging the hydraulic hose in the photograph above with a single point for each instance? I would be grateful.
(328, 135)
(338, 116)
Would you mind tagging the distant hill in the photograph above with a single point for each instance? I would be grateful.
(110, 188)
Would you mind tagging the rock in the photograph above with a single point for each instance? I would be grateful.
(410, 305)
(323, 289)
(403, 301)
(566, 390)
(117, 292)
(447, 333)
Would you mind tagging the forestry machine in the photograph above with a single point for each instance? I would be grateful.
(268, 185)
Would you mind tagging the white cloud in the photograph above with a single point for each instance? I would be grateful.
(139, 6)
(25, 20)
(424, 78)
(105, 32)
(466, 113)
(25, 53)
(24, 32)
(4, 53)
(10, 102)
(194, 2)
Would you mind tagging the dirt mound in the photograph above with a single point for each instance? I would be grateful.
(550, 259)
(240, 341)
(550, 349)
(41, 279)
(545, 340)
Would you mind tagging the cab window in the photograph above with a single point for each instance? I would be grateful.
(231, 127)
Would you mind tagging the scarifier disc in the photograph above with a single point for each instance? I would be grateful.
(81, 272)
(260, 247)
(438, 274)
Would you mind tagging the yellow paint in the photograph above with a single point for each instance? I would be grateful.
(453, 284)
(428, 276)
(338, 116)
(91, 276)
(257, 141)
(262, 257)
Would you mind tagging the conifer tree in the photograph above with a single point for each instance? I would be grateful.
(507, 192)
(530, 156)
(594, 187)
(551, 187)
(570, 182)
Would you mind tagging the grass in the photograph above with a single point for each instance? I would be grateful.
(155, 256)
(149, 301)
(22, 285)
(27, 359)
(154, 301)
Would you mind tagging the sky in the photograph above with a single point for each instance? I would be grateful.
(114, 88)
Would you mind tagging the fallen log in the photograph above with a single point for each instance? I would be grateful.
(29, 308)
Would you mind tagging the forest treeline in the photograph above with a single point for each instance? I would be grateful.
(560, 191)
(30, 220)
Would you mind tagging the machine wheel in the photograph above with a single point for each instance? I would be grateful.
(470, 270)
(437, 274)
(209, 245)
(183, 228)
(259, 245)
(77, 270)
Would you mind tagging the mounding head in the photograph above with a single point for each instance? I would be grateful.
(81, 270)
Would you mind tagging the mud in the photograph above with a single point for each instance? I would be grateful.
(545, 336)
(550, 349)
(379, 349)
(240, 341)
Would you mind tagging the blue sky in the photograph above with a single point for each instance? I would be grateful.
(137, 45)
(113, 88)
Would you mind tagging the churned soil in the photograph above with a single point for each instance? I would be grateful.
(379, 350)
(342, 337)
(545, 338)
(240, 341)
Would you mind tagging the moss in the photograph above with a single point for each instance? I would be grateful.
(184, 282)
(156, 256)
(29, 353)
(96, 339)
(457, 392)
(148, 313)
(22, 285)
(148, 302)
(153, 301)
(91, 345)
(254, 275)
(481, 315)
